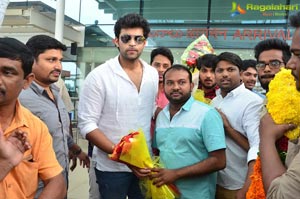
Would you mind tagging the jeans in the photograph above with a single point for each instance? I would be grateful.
(118, 185)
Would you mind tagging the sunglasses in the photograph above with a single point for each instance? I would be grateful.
(139, 39)
(273, 64)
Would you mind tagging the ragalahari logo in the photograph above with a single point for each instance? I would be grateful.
(236, 10)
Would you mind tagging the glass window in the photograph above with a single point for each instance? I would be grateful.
(174, 12)
(227, 24)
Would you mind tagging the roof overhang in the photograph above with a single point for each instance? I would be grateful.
(23, 22)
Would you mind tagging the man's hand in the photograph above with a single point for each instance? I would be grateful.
(271, 164)
(239, 138)
(13, 147)
(226, 123)
(72, 160)
(12, 151)
(84, 160)
(140, 173)
(162, 176)
(269, 130)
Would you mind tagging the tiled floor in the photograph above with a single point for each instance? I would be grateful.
(79, 178)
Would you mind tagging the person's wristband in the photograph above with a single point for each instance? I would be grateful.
(77, 152)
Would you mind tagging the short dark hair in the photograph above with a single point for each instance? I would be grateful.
(132, 20)
(229, 57)
(207, 60)
(162, 51)
(40, 43)
(295, 20)
(13, 49)
(178, 67)
(249, 63)
(271, 44)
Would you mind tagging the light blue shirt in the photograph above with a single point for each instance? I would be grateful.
(259, 94)
(194, 131)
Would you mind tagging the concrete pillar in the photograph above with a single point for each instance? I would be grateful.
(59, 21)
(3, 6)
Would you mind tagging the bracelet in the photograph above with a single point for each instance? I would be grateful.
(77, 152)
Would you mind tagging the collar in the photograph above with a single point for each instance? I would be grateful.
(235, 91)
(188, 104)
(117, 68)
(19, 119)
(186, 107)
(40, 90)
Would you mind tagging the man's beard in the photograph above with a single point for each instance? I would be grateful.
(209, 87)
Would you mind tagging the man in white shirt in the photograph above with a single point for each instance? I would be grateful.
(118, 97)
(240, 109)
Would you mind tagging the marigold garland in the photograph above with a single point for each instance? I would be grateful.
(283, 105)
(256, 189)
(283, 101)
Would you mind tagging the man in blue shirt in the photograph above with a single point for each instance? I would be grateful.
(190, 137)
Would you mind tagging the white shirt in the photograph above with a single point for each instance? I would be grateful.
(111, 102)
(242, 109)
(63, 91)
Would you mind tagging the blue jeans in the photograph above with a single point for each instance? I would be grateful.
(118, 185)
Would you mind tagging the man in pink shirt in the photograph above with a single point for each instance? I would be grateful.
(162, 59)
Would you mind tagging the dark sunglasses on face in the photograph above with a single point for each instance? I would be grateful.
(137, 38)
(273, 64)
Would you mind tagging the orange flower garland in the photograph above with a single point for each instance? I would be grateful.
(256, 189)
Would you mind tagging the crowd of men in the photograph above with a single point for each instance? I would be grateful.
(207, 150)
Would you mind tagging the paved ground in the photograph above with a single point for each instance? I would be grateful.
(79, 179)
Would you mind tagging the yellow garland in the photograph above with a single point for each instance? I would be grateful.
(284, 101)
